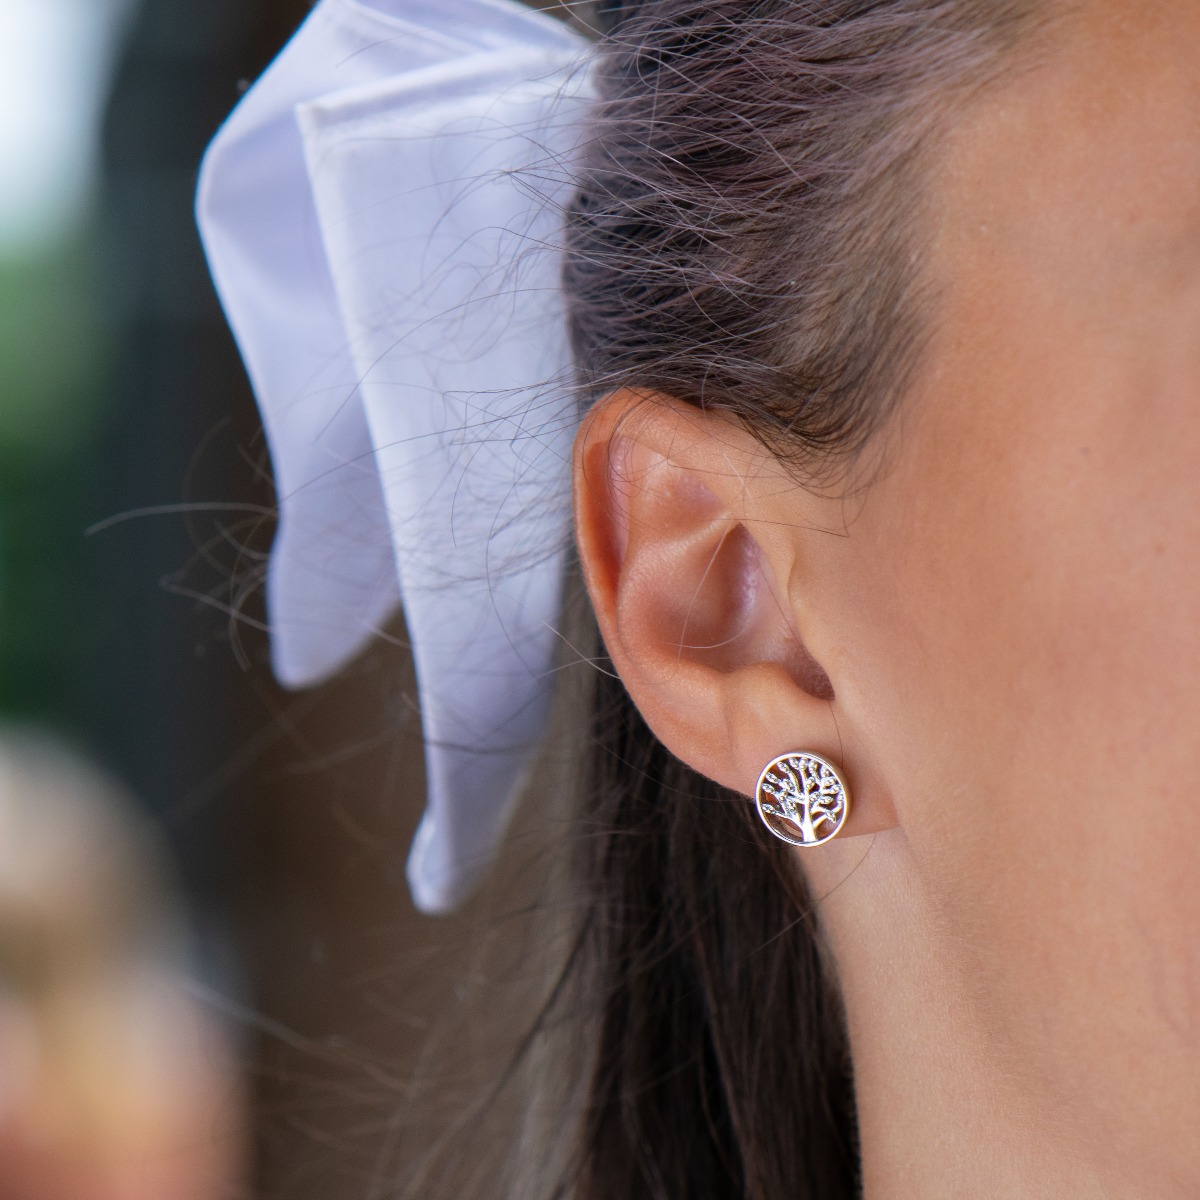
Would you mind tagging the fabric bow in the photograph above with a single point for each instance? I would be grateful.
(382, 215)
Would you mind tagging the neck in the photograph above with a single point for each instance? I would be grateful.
(942, 1113)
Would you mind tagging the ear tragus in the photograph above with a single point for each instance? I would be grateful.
(695, 547)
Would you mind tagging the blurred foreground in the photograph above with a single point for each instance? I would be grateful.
(115, 1084)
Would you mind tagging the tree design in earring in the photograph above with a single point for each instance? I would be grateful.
(802, 798)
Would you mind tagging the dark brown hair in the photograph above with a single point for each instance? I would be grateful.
(747, 236)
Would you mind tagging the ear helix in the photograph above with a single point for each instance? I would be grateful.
(802, 798)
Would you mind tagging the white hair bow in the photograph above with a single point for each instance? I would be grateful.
(382, 215)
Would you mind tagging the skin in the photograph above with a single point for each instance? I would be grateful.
(1008, 616)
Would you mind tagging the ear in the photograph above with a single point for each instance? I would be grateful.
(695, 564)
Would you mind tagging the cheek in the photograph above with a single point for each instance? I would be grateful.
(1028, 612)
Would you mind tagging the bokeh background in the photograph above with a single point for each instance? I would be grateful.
(224, 903)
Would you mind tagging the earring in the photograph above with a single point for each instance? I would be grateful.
(802, 798)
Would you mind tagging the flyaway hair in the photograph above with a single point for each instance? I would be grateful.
(383, 217)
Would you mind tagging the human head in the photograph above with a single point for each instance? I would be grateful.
(901, 470)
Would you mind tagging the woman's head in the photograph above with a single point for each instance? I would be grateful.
(749, 225)
(943, 261)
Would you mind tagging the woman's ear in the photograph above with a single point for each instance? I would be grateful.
(692, 575)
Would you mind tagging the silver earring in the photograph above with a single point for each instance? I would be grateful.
(802, 798)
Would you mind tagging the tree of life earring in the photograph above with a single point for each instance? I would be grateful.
(802, 798)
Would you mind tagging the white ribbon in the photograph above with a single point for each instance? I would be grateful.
(383, 215)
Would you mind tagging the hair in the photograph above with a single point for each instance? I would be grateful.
(751, 215)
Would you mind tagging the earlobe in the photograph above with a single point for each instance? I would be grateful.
(690, 577)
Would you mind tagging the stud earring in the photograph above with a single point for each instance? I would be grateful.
(802, 798)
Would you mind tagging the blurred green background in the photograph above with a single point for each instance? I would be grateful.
(57, 59)
(134, 501)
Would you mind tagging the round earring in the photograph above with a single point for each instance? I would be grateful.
(802, 798)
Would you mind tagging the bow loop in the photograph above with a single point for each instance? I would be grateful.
(383, 218)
